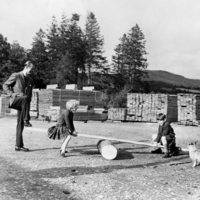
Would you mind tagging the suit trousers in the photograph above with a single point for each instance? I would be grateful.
(21, 104)
(27, 114)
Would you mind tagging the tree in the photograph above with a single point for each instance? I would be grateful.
(4, 57)
(76, 49)
(65, 42)
(17, 57)
(39, 56)
(95, 61)
(65, 73)
(4, 48)
(53, 47)
(130, 56)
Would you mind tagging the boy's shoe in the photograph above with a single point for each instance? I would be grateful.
(157, 151)
(167, 155)
(175, 152)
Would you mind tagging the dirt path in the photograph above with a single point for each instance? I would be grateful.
(84, 174)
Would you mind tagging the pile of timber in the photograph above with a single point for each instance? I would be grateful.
(34, 104)
(4, 103)
(145, 107)
(188, 109)
(53, 113)
(98, 114)
(117, 114)
(94, 114)
(58, 97)
(83, 113)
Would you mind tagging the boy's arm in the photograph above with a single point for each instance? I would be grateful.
(159, 135)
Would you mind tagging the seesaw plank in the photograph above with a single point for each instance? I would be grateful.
(101, 137)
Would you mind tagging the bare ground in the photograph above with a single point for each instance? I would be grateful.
(136, 174)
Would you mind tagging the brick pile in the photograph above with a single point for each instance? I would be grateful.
(145, 107)
(188, 109)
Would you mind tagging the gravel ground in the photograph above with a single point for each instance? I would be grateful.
(136, 174)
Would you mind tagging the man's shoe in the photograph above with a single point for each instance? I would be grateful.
(157, 151)
(74, 134)
(176, 151)
(27, 124)
(21, 149)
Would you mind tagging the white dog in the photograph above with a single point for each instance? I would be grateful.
(194, 154)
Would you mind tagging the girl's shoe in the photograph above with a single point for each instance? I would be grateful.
(62, 153)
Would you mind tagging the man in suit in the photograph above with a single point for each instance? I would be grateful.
(16, 87)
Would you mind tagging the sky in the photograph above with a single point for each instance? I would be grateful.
(171, 27)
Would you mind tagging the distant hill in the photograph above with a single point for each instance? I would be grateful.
(162, 80)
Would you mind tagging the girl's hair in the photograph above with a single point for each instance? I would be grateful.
(72, 103)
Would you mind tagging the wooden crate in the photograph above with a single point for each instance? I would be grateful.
(59, 97)
(145, 107)
(4, 103)
(117, 114)
(188, 109)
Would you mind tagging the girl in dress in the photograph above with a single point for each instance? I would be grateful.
(65, 126)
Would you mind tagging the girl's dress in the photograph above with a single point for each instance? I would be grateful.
(64, 126)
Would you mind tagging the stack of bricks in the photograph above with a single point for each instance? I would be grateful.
(34, 104)
(53, 113)
(4, 103)
(48, 98)
(146, 107)
(188, 109)
(59, 97)
(117, 114)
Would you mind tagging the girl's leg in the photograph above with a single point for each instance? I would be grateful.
(65, 143)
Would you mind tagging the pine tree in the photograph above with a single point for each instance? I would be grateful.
(77, 47)
(130, 56)
(65, 42)
(95, 61)
(4, 58)
(39, 56)
(65, 71)
(119, 59)
(17, 57)
(53, 47)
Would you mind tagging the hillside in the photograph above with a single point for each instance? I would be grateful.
(166, 82)
(172, 80)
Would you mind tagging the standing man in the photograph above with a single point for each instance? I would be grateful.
(16, 87)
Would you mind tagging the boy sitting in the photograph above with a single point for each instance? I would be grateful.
(165, 137)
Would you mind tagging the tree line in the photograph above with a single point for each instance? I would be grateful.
(67, 54)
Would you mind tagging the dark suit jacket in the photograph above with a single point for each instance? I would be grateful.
(165, 130)
(15, 86)
(66, 119)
